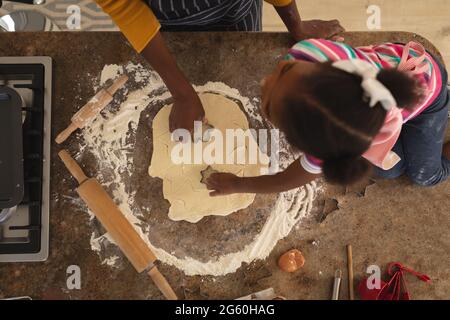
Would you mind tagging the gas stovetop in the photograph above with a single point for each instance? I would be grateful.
(24, 233)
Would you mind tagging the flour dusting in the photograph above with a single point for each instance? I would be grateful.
(111, 139)
(110, 72)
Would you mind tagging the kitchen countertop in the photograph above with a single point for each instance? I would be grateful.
(238, 59)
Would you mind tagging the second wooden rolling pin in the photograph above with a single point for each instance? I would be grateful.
(120, 229)
(91, 109)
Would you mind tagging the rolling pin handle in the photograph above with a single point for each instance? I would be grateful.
(162, 284)
(66, 133)
(117, 84)
(72, 166)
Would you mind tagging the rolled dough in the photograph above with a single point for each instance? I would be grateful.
(189, 198)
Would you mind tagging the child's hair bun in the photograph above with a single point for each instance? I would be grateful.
(405, 88)
(346, 170)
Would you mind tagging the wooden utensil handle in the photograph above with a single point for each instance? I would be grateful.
(351, 293)
(117, 84)
(72, 166)
(66, 133)
(162, 284)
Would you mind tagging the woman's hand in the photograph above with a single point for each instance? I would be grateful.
(320, 29)
(222, 184)
(186, 109)
(301, 30)
(187, 106)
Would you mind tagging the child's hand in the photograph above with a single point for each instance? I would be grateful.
(321, 29)
(222, 184)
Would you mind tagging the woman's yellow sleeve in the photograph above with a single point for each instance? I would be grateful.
(279, 3)
(134, 18)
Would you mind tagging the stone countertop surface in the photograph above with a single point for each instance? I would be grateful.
(238, 59)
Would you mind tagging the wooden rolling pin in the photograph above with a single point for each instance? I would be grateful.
(120, 229)
(92, 108)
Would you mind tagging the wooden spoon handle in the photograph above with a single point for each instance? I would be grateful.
(351, 293)
(162, 284)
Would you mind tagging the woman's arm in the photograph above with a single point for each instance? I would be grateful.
(293, 177)
(187, 107)
(140, 26)
(134, 18)
(288, 12)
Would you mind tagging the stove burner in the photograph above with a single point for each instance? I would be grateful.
(24, 229)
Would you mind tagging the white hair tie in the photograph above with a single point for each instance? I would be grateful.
(374, 89)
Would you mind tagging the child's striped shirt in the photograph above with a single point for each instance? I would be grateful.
(387, 55)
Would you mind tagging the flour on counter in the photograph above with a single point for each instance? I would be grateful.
(110, 71)
(111, 261)
(110, 139)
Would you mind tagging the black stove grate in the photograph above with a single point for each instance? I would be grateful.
(33, 150)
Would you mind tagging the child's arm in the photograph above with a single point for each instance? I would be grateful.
(293, 177)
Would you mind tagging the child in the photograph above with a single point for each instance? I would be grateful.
(350, 109)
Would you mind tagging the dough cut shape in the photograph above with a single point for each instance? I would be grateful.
(189, 198)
